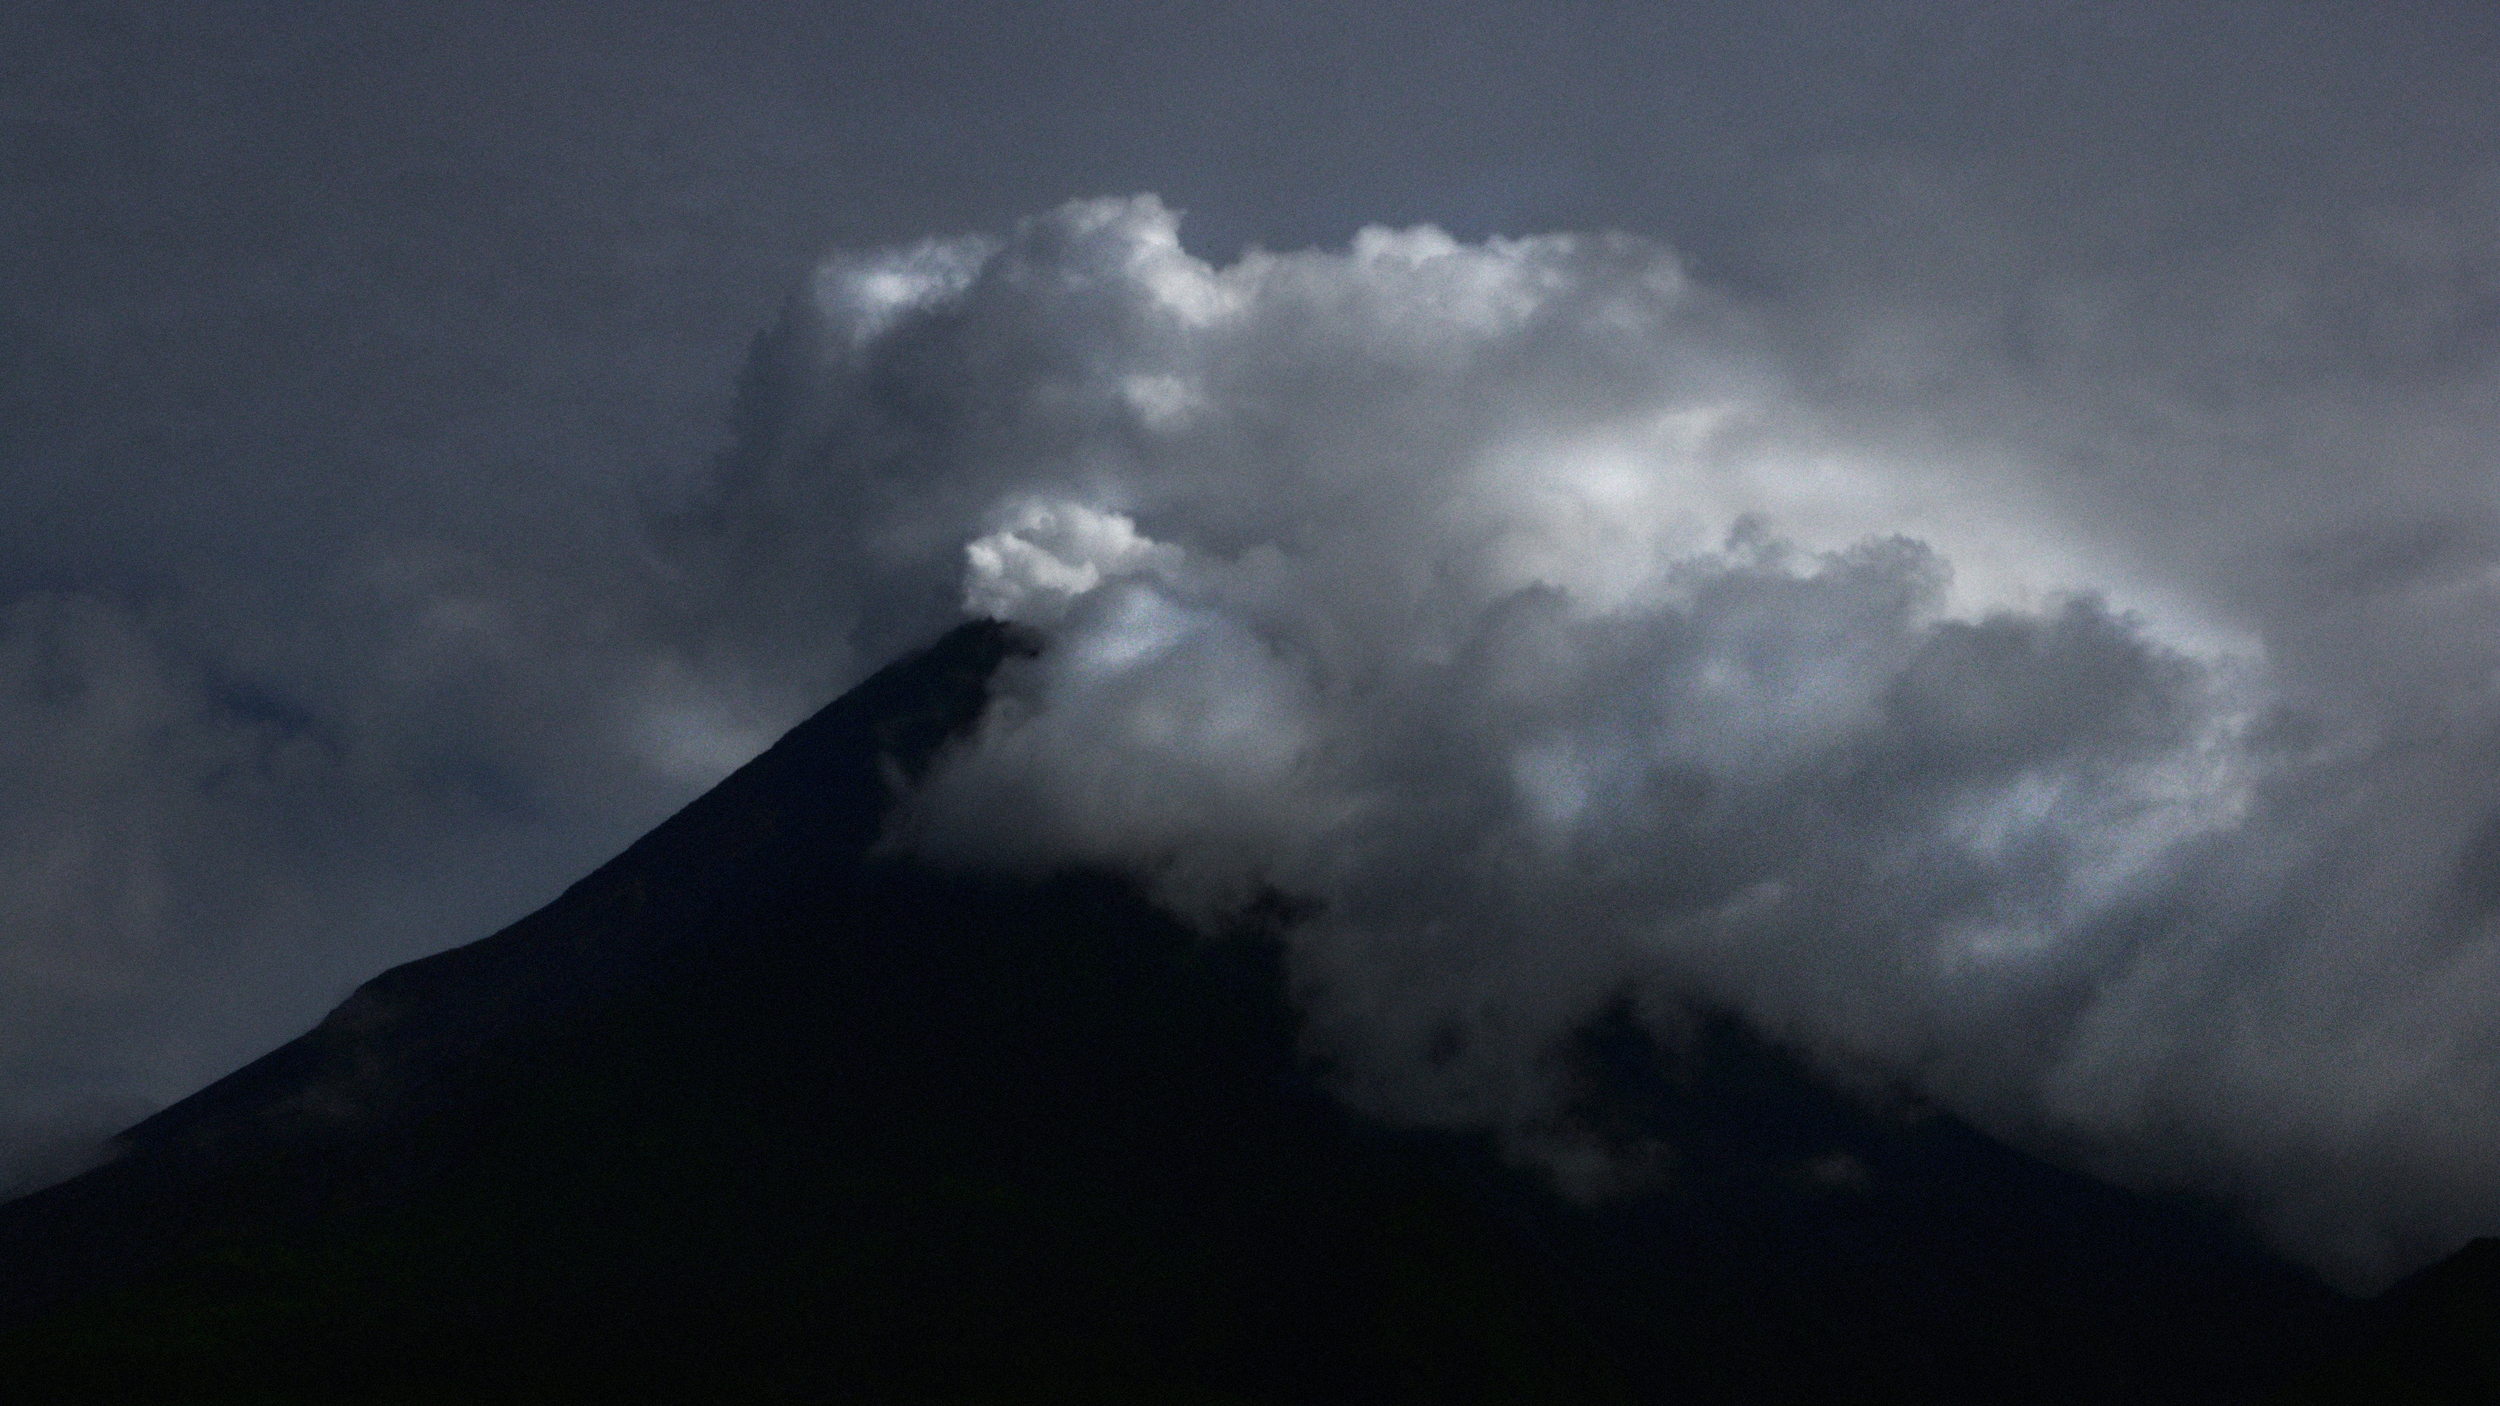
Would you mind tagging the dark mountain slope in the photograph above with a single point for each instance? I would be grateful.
(331, 1114)
(742, 1115)
(2434, 1340)
(749, 1115)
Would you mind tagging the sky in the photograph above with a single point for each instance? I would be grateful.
(1965, 533)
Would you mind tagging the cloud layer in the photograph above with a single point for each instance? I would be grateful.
(1544, 627)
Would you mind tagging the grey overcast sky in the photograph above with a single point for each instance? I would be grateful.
(374, 557)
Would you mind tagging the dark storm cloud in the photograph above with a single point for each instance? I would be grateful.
(363, 581)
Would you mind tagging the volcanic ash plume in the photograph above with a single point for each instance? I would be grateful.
(1519, 617)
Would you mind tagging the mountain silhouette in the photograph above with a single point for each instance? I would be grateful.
(758, 1112)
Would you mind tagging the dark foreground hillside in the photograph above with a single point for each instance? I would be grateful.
(749, 1115)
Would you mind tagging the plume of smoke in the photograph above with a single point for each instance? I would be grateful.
(1547, 632)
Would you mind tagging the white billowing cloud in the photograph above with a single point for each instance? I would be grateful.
(1052, 554)
(860, 299)
(1522, 615)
